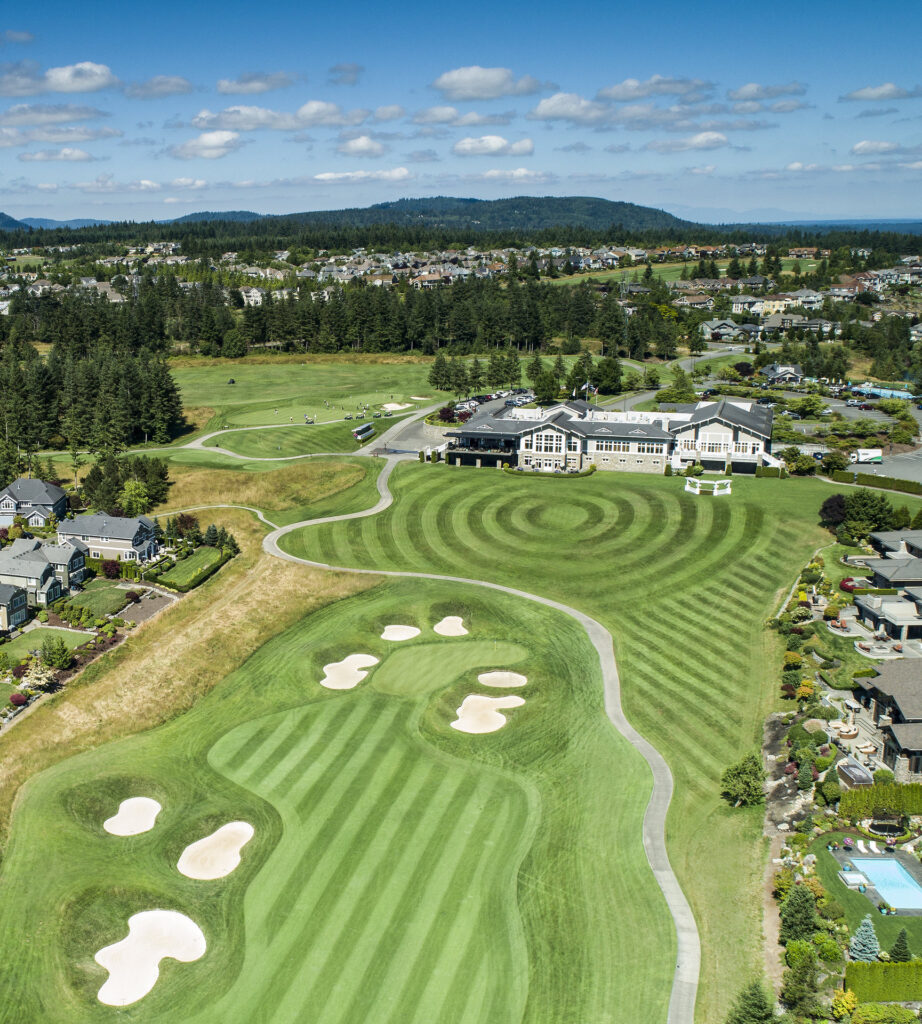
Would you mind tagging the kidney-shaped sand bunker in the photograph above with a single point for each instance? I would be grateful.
(135, 815)
(216, 855)
(134, 962)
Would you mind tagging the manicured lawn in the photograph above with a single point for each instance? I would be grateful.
(667, 271)
(685, 584)
(17, 649)
(102, 597)
(400, 870)
(183, 572)
(284, 442)
(298, 386)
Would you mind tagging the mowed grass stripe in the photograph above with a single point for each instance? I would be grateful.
(349, 897)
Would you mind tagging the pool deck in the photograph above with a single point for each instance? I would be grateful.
(910, 863)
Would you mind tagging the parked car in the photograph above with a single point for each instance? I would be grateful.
(864, 407)
(848, 584)
(853, 403)
(819, 456)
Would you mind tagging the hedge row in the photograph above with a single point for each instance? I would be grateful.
(875, 590)
(888, 483)
(885, 982)
(892, 797)
(774, 471)
(197, 580)
(520, 472)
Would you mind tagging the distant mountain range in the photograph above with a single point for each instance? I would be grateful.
(522, 213)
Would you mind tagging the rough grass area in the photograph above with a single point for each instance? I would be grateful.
(400, 870)
(102, 597)
(24, 644)
(666, 271)
(298, 385)
(185, 570)
(685, 584)
(299, 439)
(296, 491)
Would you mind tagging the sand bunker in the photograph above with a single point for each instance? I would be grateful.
(502, 679)
(479, 714)
(419, 398)
(135, 815)
(134, 963)
(216, 855)
(451, 625)
(399, 632)
(395, 406)
(343, 675)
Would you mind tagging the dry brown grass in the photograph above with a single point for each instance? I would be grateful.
(289, 487)
(171, 661)
(363, 358)
(198, 417)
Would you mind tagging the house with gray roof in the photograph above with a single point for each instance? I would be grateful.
(894, 698)
(23, 565)
(895, 572)
(14, 607)
(111, 537)
(35, 500)
(575, 435)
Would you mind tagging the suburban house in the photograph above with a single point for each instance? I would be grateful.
(34, 500)
(897, 615)
(112, 537)
(783, 373)
(23, 565)
(904, 571)
(14, 607)
(575, 435)
(894, 698)
(718, 330)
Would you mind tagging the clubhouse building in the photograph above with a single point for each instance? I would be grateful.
(575, 435)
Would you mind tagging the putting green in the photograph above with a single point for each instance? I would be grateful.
(400, 871)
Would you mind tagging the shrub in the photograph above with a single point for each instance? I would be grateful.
(133, 596)
(18, 700)
(886, 798)
(798, 915)
(843, 1004)
(830, 910)
(799, 951)
(792, 659)
(668, 470)
(110, 568)
(877, 981)
(880, 1013)
(831, 611)
(883, 776)
(828, 950)
(864, 945)
(19, 671)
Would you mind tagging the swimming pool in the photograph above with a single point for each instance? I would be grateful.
(892, 881)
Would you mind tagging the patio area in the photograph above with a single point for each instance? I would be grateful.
(867, 854)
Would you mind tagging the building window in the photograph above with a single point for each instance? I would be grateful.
(756, 448)
(551, 443)
(572, 444)
(526, 444)
(613, 446)
(649, 448)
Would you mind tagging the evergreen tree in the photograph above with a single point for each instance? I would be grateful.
(475, 374)
(608, 375)
(439, 376)
(799, 988)
(743, 783)
(864, 945)
(560, 371)
(805, 776)
(535, 368)
(211, 536)
(752, 1006)
(917, 521)
(899, 951)
(546, 389)
(798, 914)
(901, 519)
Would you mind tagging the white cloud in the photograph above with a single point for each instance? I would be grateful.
(246, 119)
(493, 145)
(887, 91)
(396, 174)
(871, 147)
(799, 166)
(188, 183)
(702, 140)
(362, 145)
(10, 35)
(436, 115)
(574, 147)
(158, 86)
(251, 118)
(390, 112)
(476, 83)
(207, 146)
(788, 106)
(748, 107)
(346, 73)
(444, 115)
(32, 114)
(706, 169)
(568, 106)
(106, 183)
(252, 83)
(520, 174)
(658, 85)
(66, 153)
(25, 78)
(319, 112)
(55, 134)
(755, 91)
(916, 165)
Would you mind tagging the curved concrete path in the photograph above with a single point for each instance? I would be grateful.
(688, 958)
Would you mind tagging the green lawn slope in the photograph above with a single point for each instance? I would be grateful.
(685, 584)
(400, 871)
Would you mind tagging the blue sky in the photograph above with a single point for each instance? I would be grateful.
(707, 110)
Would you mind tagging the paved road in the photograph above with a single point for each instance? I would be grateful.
(688, 958)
